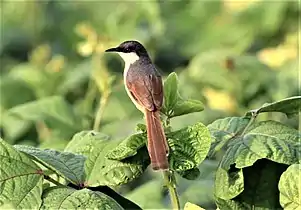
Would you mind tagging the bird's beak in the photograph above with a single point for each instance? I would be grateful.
(114, 49)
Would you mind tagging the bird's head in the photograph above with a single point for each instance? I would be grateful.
(130, 51)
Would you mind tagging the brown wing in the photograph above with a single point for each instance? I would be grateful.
(147, 91)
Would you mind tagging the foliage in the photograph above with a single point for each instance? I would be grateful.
(75, 132)
(251, 148)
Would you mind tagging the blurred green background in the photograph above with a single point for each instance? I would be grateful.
(232, 55)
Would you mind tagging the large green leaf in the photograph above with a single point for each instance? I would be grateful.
(188, 146)
(13, 127)
(68, 165)
(11, 87)
(264, 140)
(183, 107)
(20, 179)
(223, 130)
(290, 187)
(69, 198)
(170, 93)
(260, 193)
(228, 184)
(228, 204)
(101, 170)
(128, 147)
(55, 111)
(289, 106)
(268, 139)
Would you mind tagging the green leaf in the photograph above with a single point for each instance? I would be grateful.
(55, 111)
(20, 179)
(84, 140)
(264, 140)
(68, 165)
(13, 127)
(69, 198)
(228, 204)
(188, 147)
(183, 107)
(190, 174)
(128, 147)
(259, 193)
(141, 128)
(290, 188)
(11, 87)
(289, 106)
(277, 129)
(122, 201)
(174, 105)
(101, 170)
(170, 93)
(7, 206)
(275, 142)
(222, 130)
(228, 184)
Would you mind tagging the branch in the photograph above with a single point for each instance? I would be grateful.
(170, 181)
(171, 185)
(103, 102)
(53, 181)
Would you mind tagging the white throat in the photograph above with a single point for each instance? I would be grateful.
(129, 58)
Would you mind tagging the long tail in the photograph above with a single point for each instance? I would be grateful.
(157, 144)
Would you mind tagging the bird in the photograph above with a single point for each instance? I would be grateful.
(143, 84)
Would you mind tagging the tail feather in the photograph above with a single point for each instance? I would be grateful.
(157, 144)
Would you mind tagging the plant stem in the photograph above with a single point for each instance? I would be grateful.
(89, 97)
(53, 181)
(171, 185)
(103, 102)
(249, 124)
(170, 179)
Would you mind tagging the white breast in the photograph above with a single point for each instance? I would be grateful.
(129, 58)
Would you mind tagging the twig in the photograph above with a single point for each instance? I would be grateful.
(53, 181)
(254, 115)
(103, 102)
(169, 179)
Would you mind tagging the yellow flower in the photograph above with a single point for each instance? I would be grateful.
(40, 55)
(276, 57)
(84, 29)
(56, 63)
(191, 206)
(220, 100)
(85, 48)
(238, 5)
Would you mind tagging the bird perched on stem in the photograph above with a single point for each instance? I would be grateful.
(143, 84)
